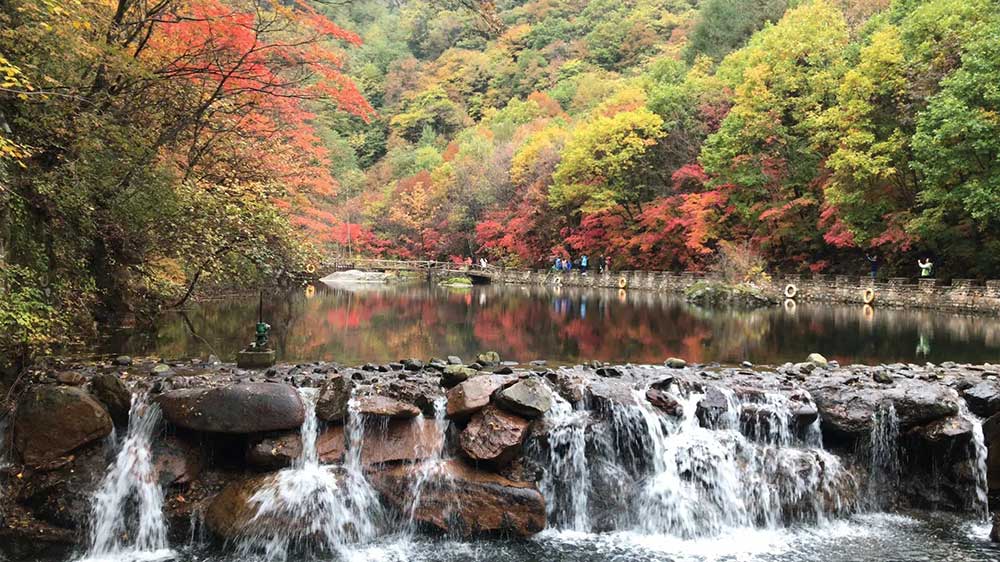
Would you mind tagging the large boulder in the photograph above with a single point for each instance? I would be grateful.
(52, 421)
(530, 398)
(991, 434)
(386, 407)
(608, 394)
(331, 404)
(983, 399)
(847, 404)
(474, 394)
(63, 496)
(463, 500)
(570, 384)
(115, 396)
(237, 408)
(403, 440)
(493, 435)
(455, 374)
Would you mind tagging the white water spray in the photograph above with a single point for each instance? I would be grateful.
(747, 469)
(431, 467)
(566, 482)
(310, 507)
(127, 521)
(883, 457)
(980, 503)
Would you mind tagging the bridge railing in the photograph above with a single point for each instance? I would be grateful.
(411, 265)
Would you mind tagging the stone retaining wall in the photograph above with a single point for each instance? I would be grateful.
(966, 295)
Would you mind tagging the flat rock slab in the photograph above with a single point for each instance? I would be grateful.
(384, 406)
(847, 403)
(52, 421)
(237, 408)
(403, 440)
(458, 498)
(530, 398)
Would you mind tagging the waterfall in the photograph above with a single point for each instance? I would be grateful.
(566, 480)
(127, 511)
(310, 507)
(883, 462)
(736, 463)
(980, 504)
(431, 465)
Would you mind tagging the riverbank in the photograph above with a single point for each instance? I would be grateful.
(960, 295)
(496, 446)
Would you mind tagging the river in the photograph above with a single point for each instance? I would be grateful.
(382, 323)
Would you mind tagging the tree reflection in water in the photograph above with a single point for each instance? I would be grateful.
(562, 325)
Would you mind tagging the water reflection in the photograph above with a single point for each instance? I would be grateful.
(379, 323)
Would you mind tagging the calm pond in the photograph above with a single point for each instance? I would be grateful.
(382, 323)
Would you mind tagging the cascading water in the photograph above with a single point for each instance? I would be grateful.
(883, 457)
(127, 521)
(980, 503)
(566, 480)
(430, 467)
(310, 507)
(744, 463)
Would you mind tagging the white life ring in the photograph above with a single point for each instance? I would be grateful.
(622, 282)
(868, 295)
(790, 291)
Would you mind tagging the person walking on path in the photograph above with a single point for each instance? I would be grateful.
(583, 264)
(873, 260)
(926, 267)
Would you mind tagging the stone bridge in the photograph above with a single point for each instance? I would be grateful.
(478, 274)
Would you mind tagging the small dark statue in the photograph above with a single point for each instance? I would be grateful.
(260, 340)
(258, 354)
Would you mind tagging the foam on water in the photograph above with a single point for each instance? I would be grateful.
(310, 507)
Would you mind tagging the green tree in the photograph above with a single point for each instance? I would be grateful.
(606, 163)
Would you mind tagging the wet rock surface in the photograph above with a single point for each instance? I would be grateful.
(225, 432)
(493, 435)
(237, 408)
(466, 500)
(52, 421)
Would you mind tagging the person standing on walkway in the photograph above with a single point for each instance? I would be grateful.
(873, 260)
(583, 264)
(926, 267)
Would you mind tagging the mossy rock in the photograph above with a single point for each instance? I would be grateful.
(456, 282)
(711, 294)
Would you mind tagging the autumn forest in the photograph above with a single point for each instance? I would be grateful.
(153, 148)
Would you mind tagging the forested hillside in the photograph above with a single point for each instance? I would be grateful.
(652, 130)
(146, 146)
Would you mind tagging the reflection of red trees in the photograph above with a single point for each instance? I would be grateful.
(421, 321)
